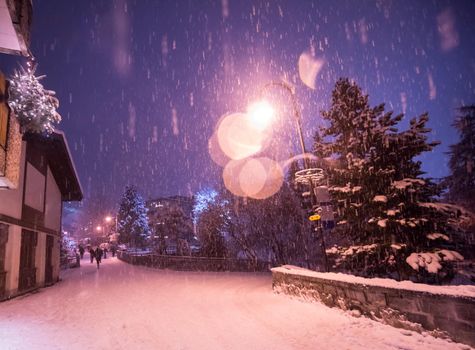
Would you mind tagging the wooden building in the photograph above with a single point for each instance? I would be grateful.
(37, 175)
(30, 214)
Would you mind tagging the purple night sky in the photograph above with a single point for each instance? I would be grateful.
(143, 83)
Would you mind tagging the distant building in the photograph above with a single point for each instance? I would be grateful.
(36, 175)
(165, 221)
(183, 202)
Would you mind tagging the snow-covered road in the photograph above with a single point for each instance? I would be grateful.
(122, 306)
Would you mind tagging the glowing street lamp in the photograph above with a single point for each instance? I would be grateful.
(260, 114)
(295, 106)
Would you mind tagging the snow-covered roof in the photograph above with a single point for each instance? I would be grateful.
(15, 23)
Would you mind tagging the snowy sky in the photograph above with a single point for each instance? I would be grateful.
(143, 83)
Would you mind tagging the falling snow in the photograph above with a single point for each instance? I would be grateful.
(191, 97)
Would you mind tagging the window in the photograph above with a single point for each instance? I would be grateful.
(34, 188)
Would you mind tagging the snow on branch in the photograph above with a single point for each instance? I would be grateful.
(431, 261)
(346, 189)
(404, 183)
(459, 216)
(380, 198)
(434, 236)
(354, 249)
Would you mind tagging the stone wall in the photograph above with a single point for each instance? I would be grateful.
(442, 315)
(190, 263)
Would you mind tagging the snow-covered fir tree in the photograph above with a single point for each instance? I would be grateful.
(202, 200)
(33, 105)
(461, 181)
(132, 223)
(388, 217)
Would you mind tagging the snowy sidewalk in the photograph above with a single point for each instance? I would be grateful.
(121, 306)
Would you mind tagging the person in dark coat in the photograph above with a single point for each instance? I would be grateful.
(92, 254)
(98, 256)
(78, 258)
(81, 251)
(113, 250)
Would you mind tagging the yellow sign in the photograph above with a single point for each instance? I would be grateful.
(315, 217)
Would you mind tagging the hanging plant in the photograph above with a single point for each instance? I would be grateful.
(33, 105)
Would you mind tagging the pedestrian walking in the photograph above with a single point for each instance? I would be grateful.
(105, 252)
(78, 258)
(81, 251)
(98, 256)
(113, 249)
(92, 254)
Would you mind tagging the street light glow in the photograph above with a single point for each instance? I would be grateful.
(261, 114)
(98, 228)
(108, 218)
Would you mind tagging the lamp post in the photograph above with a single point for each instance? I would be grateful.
(99, 229)
(308, 176)
(296, 109)
(108, 219)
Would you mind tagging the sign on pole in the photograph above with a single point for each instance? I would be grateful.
(314, 217)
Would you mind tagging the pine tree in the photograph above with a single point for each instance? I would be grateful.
(202, 200)
(132, 218)
(461, 181)
(387, 216)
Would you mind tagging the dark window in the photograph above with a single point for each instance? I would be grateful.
(3, 113)
(3, 243)
(27, 260)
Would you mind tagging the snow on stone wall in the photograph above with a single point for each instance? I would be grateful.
(443, 310)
